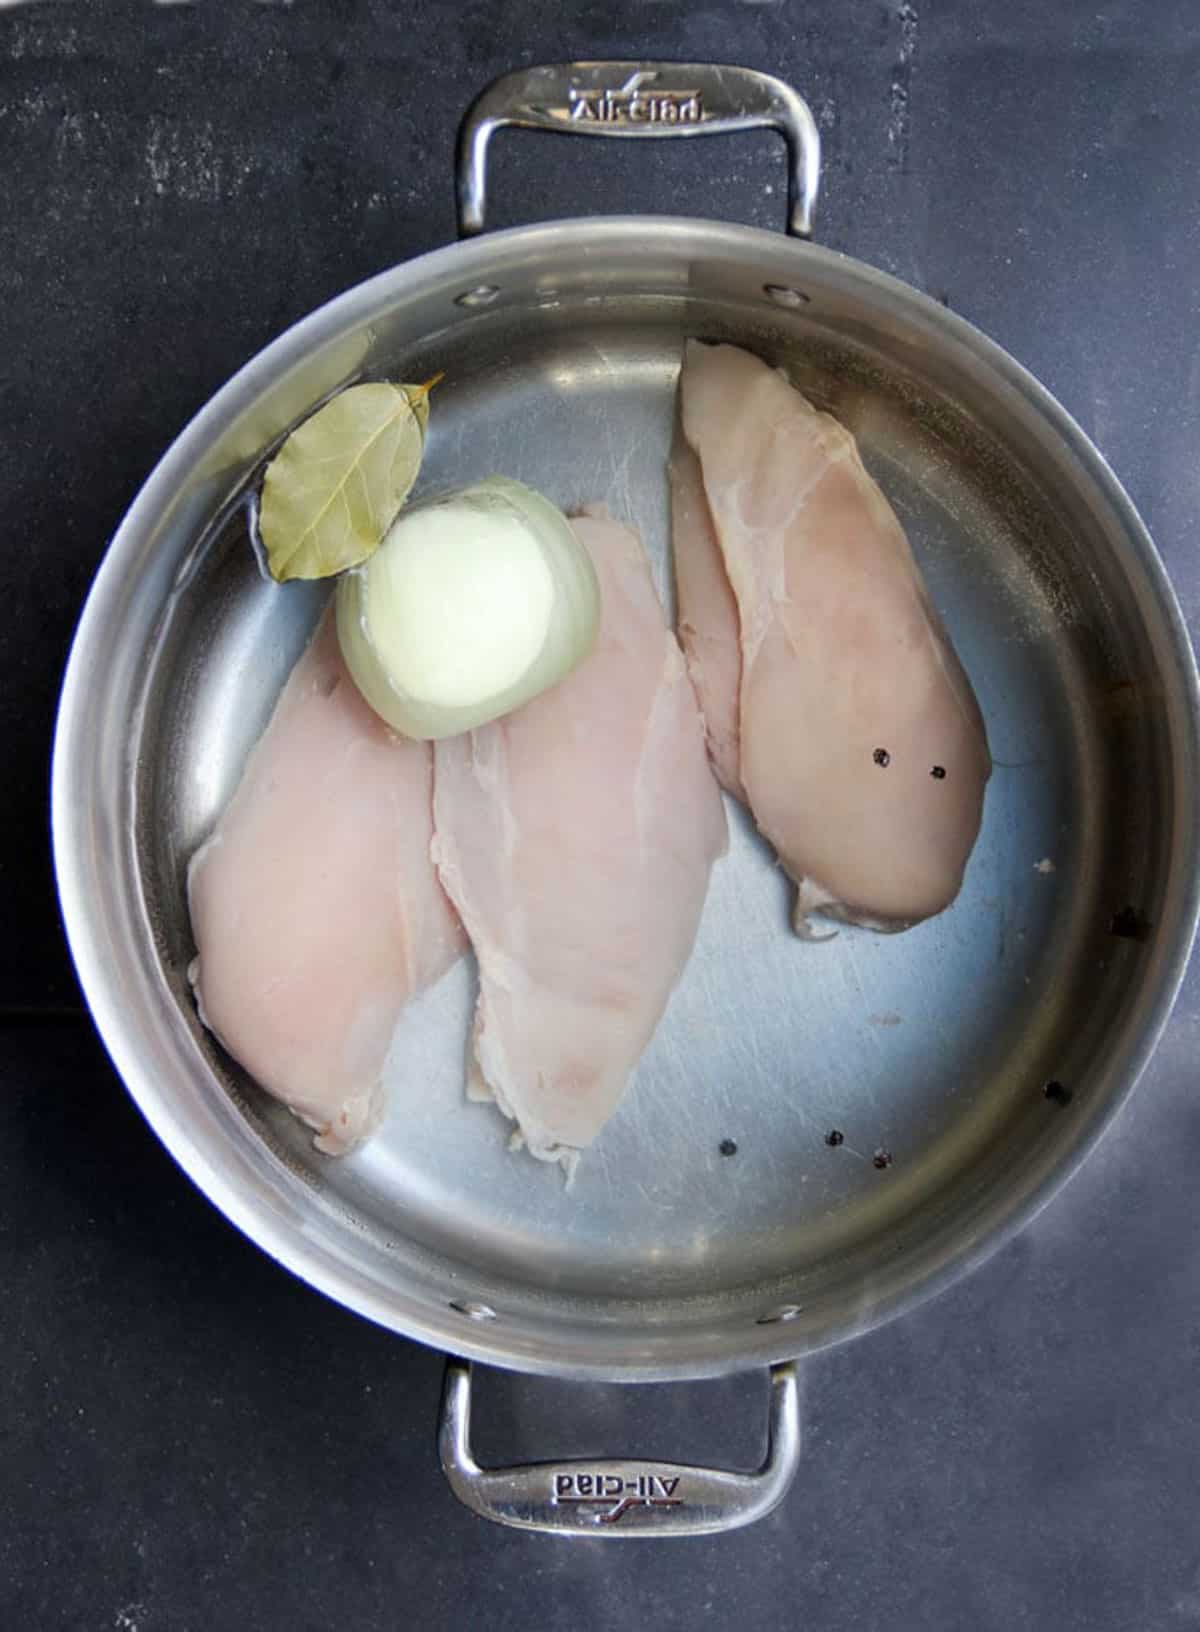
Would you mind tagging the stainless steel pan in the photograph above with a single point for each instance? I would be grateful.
(967, 1065)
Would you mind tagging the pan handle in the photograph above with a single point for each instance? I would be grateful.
(619, 1498)
(639, 99)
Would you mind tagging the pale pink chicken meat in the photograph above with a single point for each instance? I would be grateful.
(315, 907)
(708, 616)
(856, 737)
(576, 837)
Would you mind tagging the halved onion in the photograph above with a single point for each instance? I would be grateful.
(474, 603)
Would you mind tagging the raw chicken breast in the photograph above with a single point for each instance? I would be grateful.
(315, 907)
(858, 741)
(576, 838)
(708, 616)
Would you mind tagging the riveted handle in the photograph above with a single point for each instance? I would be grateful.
(640, 99)
(619, 1498)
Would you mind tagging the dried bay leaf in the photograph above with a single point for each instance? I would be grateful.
(338, 482)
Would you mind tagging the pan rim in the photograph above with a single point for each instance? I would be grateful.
(70, 819)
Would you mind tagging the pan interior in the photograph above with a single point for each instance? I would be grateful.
(927, 1052)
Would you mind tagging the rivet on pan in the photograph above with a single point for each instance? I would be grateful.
(1129, 924)
(786, 1311)
(474, 1311)
(1056, 1093)
(782, 295)
(482, 295)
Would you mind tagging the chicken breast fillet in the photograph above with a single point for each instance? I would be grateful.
(315, 907)
(853, 731)
(708, 616)
(576, 838)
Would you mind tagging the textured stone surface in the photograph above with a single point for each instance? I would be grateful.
(190, 1439)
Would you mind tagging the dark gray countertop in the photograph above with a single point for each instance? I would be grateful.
(190, 1439)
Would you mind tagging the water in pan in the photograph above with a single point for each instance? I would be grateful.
(912, 1048)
